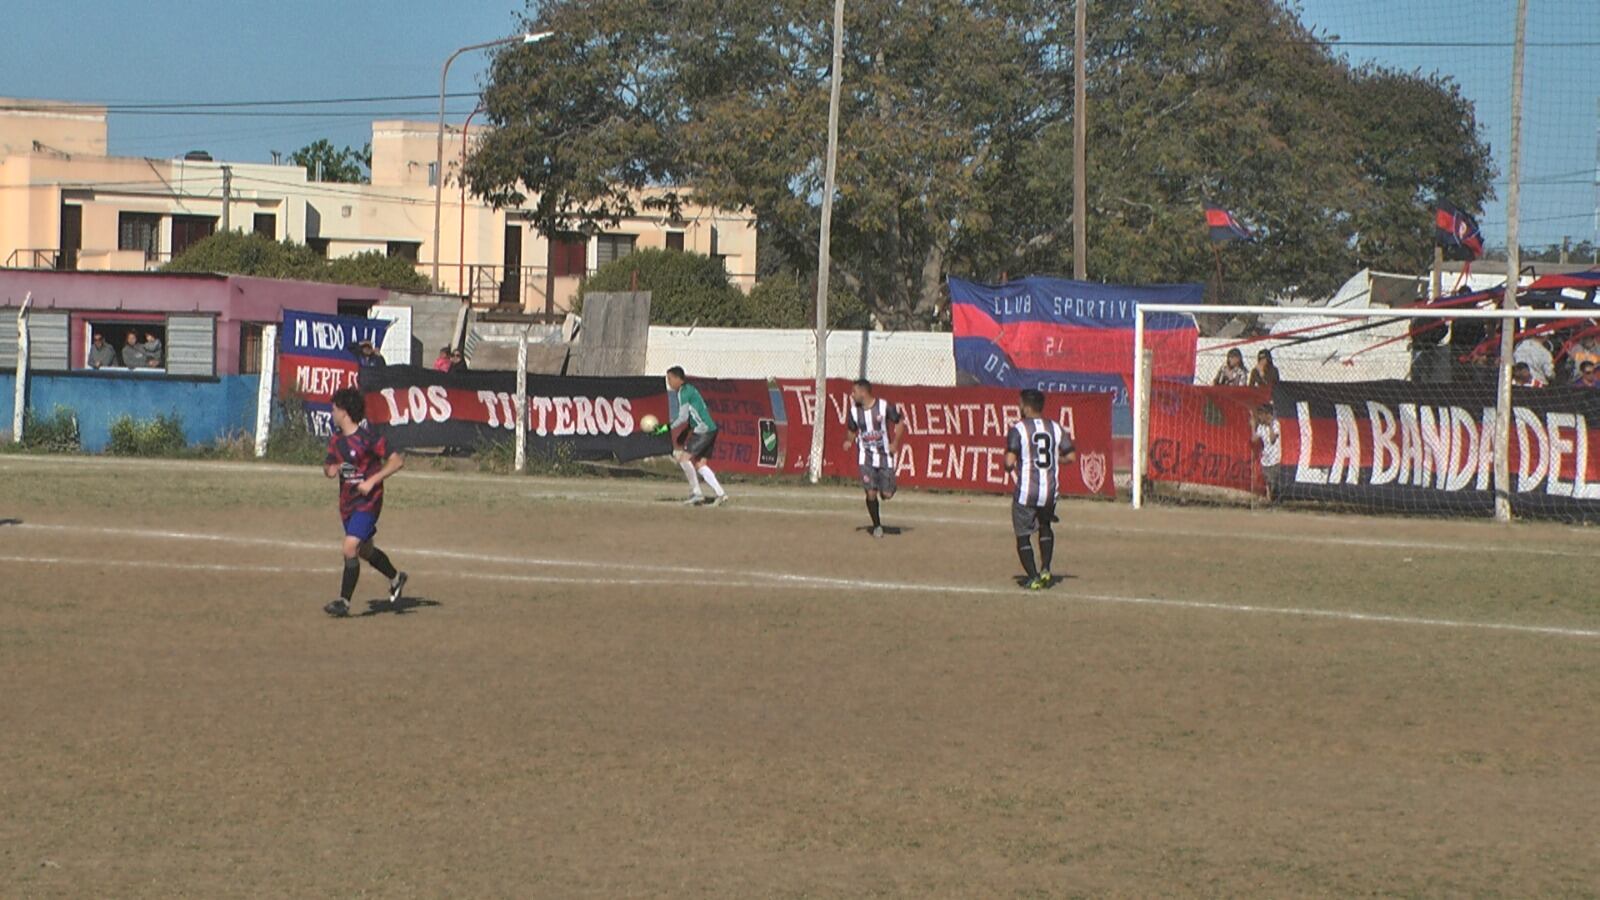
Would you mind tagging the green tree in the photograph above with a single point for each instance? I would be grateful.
(685, 288)
(238, 253)
(956, 137)
(784, 301)
(324, 162)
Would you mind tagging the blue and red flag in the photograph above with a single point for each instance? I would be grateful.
(1068, 336)
(1225, 227)
(318, 357)
(1457, 233)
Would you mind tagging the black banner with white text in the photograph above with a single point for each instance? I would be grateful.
(1423, 448)
(588, 418)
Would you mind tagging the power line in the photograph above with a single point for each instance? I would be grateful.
(220, 104)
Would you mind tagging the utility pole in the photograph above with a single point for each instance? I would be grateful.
(227, 195)
(1502, 449)
(824, 250)
(1080, 139)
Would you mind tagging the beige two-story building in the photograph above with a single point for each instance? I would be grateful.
(66, 204)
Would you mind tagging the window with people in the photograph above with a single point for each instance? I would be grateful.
(126, 345)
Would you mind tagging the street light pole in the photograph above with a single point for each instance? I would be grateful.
(824, 248)
(438, 166)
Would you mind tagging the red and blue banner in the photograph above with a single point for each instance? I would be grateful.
(318, 358)
(1457, 233)
(1225, 227)
(1062, 336)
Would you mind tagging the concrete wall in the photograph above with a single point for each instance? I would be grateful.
(888, 357)
(210, 409)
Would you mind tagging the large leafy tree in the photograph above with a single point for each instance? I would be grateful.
(956, 137)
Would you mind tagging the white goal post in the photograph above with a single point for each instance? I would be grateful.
(1374, 407)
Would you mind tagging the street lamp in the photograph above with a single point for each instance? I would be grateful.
(532, 37)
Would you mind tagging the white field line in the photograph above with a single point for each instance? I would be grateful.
(844, 495)
(767, 579)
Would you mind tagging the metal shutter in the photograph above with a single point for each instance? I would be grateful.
(613, 247)
(8, 339)
(47, 341)
(191, 345)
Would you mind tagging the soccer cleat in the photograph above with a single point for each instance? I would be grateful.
(695, 500)
(720, 500)
(338, 608)
(877, 531)
(1046, 579)
(396, 587)
(1037, 584)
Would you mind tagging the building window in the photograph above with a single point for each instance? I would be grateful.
(127, 344)
(675, 241)
(613, 247)
(433, 174)
(250, 348)
(139, 231)
(569, 255)
(266, 225)
(356, 308)
(406, 250)
(319, 246)
(190, 230)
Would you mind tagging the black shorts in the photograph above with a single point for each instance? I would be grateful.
(699, 446)
(1027, 520)
(878, 478)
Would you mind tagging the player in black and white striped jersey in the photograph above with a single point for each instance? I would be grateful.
(876, 429)
(1035, 450)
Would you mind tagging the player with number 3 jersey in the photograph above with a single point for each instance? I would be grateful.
(1035, 450)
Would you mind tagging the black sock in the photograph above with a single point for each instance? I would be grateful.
(352, 572)
(1047, 548)
(872, 510)
(380, 561)
(1025, 553)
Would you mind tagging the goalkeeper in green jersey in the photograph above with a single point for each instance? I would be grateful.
(694, 434)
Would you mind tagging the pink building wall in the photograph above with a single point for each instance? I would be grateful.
(233, 298)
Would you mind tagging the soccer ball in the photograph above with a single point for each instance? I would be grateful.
(649, 424)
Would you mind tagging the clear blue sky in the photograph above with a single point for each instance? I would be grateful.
(169, 51)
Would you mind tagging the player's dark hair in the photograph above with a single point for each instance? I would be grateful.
(677, 372)
(352, 401)
(1032, 399)
(864, 384)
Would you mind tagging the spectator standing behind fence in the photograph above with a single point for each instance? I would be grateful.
(101, 354)
(1588, 376)
(367, 356)
(1534, 352)
(1586, 350)
(1233, 373)
(1267, 439)
(441, 363)
(133, 355)
(458, 362)
(1265, 374)
(1522, 376)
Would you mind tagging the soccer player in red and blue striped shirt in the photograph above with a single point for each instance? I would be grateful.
(1035, 449)
(360, 458)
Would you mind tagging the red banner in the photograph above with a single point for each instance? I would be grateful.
(957, 436)
(1201, 435)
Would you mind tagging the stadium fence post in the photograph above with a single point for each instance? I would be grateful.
(1144, 377)
(1139, 402)
(1502, 444)
(20, 395)
(269, 357)
(521, 403)
(824, 263)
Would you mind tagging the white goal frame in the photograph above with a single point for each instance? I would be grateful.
(1139, 401)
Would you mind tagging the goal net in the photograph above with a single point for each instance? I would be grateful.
(1397, 410)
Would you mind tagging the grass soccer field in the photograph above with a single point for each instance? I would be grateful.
(591, 690)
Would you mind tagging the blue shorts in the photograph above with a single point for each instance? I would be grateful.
(361, 525)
